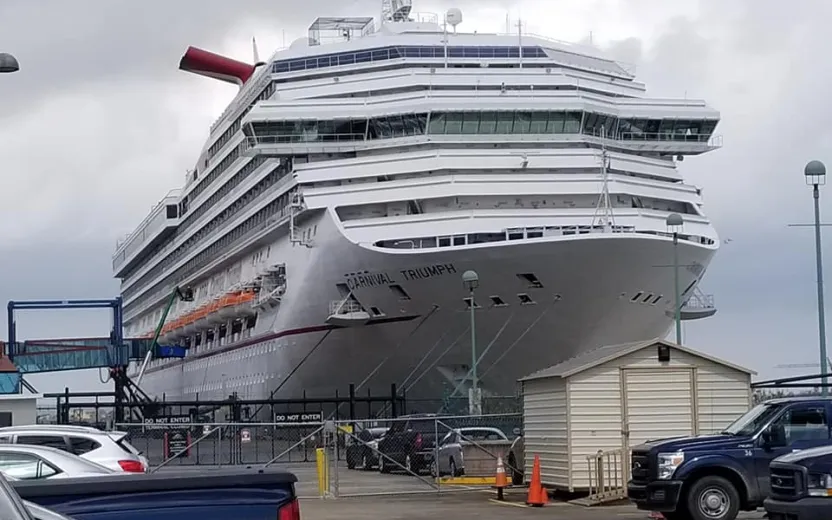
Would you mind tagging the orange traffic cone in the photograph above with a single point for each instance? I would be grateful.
(500, 481)
(538, 496)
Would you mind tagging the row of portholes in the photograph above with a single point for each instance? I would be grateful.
(221, 359)
(648, 298)
(230, 384)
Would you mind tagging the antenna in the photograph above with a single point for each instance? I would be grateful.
(520, 41)
(603, 210)
(395, 10)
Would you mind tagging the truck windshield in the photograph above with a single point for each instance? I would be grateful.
(753, 420)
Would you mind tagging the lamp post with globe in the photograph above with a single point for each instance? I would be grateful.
(674, 223)
(815, 174)
(471, 280)
(8, 63)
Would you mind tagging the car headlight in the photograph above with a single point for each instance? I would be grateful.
(668, 462)
(820, 485)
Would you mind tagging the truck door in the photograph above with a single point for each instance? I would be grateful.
(799, 427)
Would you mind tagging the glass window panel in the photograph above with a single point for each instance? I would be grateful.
(297, 65)
(426, 52)
(501, 52)
(651, 127)
(522, 121)
(420, 121)
(380, 55)
(281, 66)
(471, 52)
(346, 59)
(396, 126)
(590, 123)
(513, 52)
(555, 123)
(437, 123)
(572, 124)
(538, 124)
(488, 123)
(453, 123)
(395, 52)
(385, 130)
(312, 63)
(505, 122)
(611, 126)
(361, 57)
(323, 62)
(456, 52)
(411, 52)
(470, 122)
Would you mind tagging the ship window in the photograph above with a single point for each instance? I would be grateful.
(505, 122)
(470, 122)
(468, 303)
(572, 125)
(437, 123)
(534, 233)
(515, 234)
(538, 123)
(444, 241)
(399, 291)
(488, 123)
(525, 299)
(522, 122)
(555, 123)
(459, 240)
(453, 124)
(496, 301)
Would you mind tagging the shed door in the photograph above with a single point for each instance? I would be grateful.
(658, 403)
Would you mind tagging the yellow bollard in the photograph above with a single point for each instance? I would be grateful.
(323, 478)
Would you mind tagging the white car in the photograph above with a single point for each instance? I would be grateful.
(24, 462)
(110, 449)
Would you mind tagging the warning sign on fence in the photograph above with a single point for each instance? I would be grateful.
(306, 417)
(245, 436)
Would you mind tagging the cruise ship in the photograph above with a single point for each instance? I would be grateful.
(360, 172)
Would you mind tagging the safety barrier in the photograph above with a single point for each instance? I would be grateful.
(608, 476)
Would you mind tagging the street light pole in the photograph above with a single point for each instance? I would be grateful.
(815, 173)
(674, 222)
(8, 63)
(471, 280)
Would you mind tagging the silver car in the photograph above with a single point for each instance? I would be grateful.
(110, 449)
(450, 448)
(23, 462)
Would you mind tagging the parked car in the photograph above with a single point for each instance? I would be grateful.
(24, 462)
(110, 449)
(251, 493)
(450, 459)
(714, 477)
(801, 485)
(362, 451)
(409, 443)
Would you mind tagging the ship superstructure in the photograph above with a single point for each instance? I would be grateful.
(359, 172)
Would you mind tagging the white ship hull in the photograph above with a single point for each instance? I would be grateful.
(588, 282)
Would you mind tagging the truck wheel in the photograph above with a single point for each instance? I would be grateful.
(713, 498)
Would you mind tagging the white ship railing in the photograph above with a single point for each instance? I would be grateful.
(126, 238)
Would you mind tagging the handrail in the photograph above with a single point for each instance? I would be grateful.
(634, 137)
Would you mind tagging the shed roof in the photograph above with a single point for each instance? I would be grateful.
(598, 356)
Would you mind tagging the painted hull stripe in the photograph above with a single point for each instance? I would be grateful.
(270, 336)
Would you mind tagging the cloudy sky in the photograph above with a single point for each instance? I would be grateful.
(99, 124)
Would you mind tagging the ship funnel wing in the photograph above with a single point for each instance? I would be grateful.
(208, 64)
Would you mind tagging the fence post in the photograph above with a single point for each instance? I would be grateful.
(393, 400)
(352, 404)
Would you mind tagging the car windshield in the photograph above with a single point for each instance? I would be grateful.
(753, 420)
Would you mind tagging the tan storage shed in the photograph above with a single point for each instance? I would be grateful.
(615, 397)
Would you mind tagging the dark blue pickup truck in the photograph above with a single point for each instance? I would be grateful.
(242, 494)
(713, 477)
(801, 486)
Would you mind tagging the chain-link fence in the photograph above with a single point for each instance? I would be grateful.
(409, 454)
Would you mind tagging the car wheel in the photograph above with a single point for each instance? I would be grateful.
(713, 498)
(454, 472)
(434, 469)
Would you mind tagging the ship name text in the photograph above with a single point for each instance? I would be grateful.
(357, 281)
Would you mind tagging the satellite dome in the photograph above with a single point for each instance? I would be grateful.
(453, 16)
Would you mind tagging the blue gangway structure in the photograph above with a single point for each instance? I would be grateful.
(113, 352)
